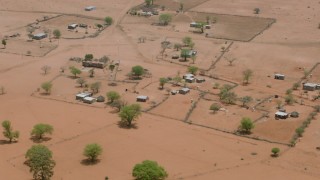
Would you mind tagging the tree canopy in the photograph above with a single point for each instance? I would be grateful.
(8, 132)
(137, 71)
(165, 19)
(108, 20)
(92, 151)
(246, 125)
(112, 96)
(129, 113)
(149, 170)
(47, 86)
(40, 129)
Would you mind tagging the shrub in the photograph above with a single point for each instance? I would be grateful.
(300, 131)
(149, 170)
(40, 129)
(275, 152)
(92, 151)
(215, 107)
(246, 125)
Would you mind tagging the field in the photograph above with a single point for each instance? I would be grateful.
(178, 131)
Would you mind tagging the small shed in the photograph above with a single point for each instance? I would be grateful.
(72, 26)
(174, 92)
(89, 100)
(90, 8)
(281, 115)
(279, 76)
(294, 114)
(184, 90)
(100, 99)
(190, 79)
(310, 86)
(142, 98)
(39, 36)
(81, 96)
(193, 24)
(200, 80)
(188, 76)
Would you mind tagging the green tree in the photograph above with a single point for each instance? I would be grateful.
(39, 159)
(81, 81)
(300, 131)
(137, 71)
(47, 86)
(129, 113)
(295, 86)
(118, 104)
(215, 107)
(4, 43)
(162, 82)
(112, 96)
(187, 41)
(200, 26)
(149, 170)
(245, 100)
(247, 74)
(246, 125)
(165, 19)
(289, 99)
(148, 2)
(56, 33)
(108, 20)
(8, 132)
(92, 151)
(95, 87)
(193, 69)
(39, 130)
(177, 46)
(275, 152)
(185, 54)
(75, 71)
(88, 57)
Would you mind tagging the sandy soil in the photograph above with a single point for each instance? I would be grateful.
(187, 151)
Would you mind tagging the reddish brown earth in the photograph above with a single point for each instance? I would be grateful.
(185, 150)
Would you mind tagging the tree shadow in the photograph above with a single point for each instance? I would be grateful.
(5, 142)
(123, 125)
(88, 162)
(44, 94)
(37, 140)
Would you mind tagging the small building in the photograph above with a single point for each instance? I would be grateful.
(200, 80)
(188, 76)
(184, 90)
(174, 92)
(310, 86)
(89, 100)
(81, 96)
(39, 36)
(294, 114)
(188, 53)
(190, 79)
(279, 76)
(193, 24)
(100, 99)
(281, 115)
(72, 26)
(90, 8)
(142, 98)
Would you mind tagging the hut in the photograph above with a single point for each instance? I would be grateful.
(100, 99)
(142, 98)
(200, 80)
(190, 79)
(39, 36)
(294, 114)
(279, 76)
(310, 86)
(81, 96)
(89, 100)
(184, 90)
(188, 76)
(90, 8)
(281, 115)
(72, 26)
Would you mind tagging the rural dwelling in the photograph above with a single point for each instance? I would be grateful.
(81, 96)
(310, 86)
(89, 100)
(190, 79)
(200, 80)
(72, 26)
(39, 36)
(281, 115)
(90, 8)
(294, 114)
(142, 98)
(100, 99)
(174, 92)
(279, 76)
(193, 24)
(207, 26)
(184, 90)
(188, 76)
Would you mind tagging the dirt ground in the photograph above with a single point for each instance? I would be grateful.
(179, 131)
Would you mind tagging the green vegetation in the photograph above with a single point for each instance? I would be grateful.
(4, 43)
(193, 69)
(215, 107)
(95, 87)
(246, 125)
(88, 57)
(8, 132)
(47, 86)
(165, 19)
(112, 96)
(226, 95)
(137, 71)
(247, 74)
(39, 159)
(162, 82)
(75, 71)
(300, 131)
(149, 170)
(108, 20)
(245, 100)
(56, 33)
(92, 151)
(81, 81)
(275, 152)
(129, 113)
(39, 130)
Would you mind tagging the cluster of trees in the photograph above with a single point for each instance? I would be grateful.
(226, 95)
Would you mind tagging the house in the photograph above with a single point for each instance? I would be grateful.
(142, 98)
(200, 80)
(174, 92)
(281, 115)
(310, 86)
(190, 79)
(72, 26)
(279, 76)
(90, 8)
(81, 96)
(184, 90)
(188, 76)
(89, 100)
(39, 36)
(193, 24)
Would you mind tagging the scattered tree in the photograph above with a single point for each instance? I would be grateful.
(4, 43)
(279, 103)
(92, 151)
(164, 45)
(165, 19)
(118, 104)
(289, 99)
(91, 72)
(295, 86)
(181, 7)
(200, 26)
(246, 125)
(81, 82)
(47, 86)
(185, 54)
(317, 108)
(39, 130)
(88, 57)
(111, 67)
(148, 2)
(215, 107)
(112, 96)
(8, 132)
(108, 20)
(149, 170)
(45, 69)
(275, 152)
(230, 60)
(177, 79)
(39, 159)
(129, 113)
(256, 10)
(177, 46)
(162, 82)
(216, 85)
(137, 71)
(193, 69)
(75, 71)
(194, 58)
(247, 74)
(187, 41)
(95, 87)
(300, 131)
(56, 33)
(245, 100)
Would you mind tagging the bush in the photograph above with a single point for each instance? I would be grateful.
(47, 86)
(108, 20)
(8, 132)
(193, 69)
(112, 96)
(246, 125)
(165, 19)
(300, 131)
(92, 151)
(40, 129)
(88, 57)
(215, 107)
(149, 170)
(275, 152)
(137, 71)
